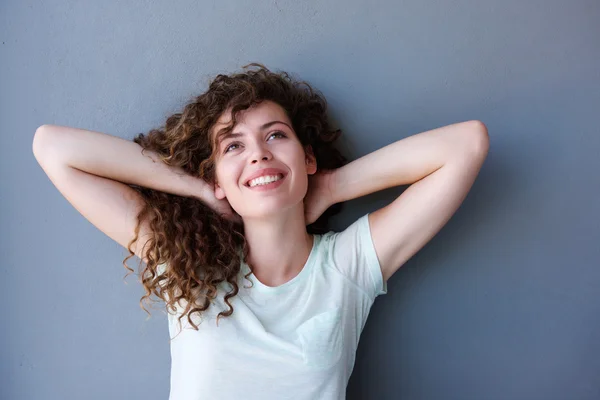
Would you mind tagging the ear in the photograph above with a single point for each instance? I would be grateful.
(311, 160)
(219, 193)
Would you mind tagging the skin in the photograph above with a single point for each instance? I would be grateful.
(274, 220)
(440, 165)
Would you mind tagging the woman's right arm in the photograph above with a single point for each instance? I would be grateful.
(91, 170)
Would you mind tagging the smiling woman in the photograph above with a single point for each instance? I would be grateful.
(243, 124)
(239, 187)
(257, 150)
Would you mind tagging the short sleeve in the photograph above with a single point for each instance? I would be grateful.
(354, 255)
(160, 270)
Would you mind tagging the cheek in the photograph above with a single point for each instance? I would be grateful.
(227, 174)
(220, 175)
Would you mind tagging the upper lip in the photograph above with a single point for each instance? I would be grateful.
(264, 172)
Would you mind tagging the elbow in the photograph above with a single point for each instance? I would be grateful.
(478, 139)
(35, 146)
(40, 139)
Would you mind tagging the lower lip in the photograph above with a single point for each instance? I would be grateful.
(268, 186)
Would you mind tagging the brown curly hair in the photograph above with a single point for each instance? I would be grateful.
(197, 247)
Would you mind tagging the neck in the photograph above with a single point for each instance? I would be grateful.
(279, 246)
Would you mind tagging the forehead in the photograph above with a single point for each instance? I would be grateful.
(250, 119)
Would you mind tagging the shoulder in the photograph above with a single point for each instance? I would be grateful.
(352, 252)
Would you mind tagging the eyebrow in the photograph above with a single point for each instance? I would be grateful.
(228, 135)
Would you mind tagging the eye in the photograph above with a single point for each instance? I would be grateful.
(230, 147)
(278, 133)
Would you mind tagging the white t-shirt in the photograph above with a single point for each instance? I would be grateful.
(294, 341)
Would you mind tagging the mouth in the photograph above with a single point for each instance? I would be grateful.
(266, 182)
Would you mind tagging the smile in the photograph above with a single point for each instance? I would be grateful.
(266, 182)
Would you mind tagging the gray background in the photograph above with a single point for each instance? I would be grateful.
(502, 304)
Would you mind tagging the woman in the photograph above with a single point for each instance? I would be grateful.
(227, 206)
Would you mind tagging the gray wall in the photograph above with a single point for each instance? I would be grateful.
(502, 304)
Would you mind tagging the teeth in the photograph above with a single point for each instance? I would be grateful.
(263, 180)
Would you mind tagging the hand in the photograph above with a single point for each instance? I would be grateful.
(221, 207)
(319, 196)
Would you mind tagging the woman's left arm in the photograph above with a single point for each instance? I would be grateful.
(441, 165)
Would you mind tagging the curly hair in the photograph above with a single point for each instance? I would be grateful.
(197, 247)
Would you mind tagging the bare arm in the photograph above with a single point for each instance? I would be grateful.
(441, 165)
(112, 157)
(91, 170)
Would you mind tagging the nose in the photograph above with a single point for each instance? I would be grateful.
(260, 153)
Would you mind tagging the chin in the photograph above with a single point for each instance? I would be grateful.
(265, 210)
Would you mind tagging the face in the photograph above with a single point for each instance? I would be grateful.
(262, 139)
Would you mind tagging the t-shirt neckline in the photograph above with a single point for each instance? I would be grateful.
(258, 285)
